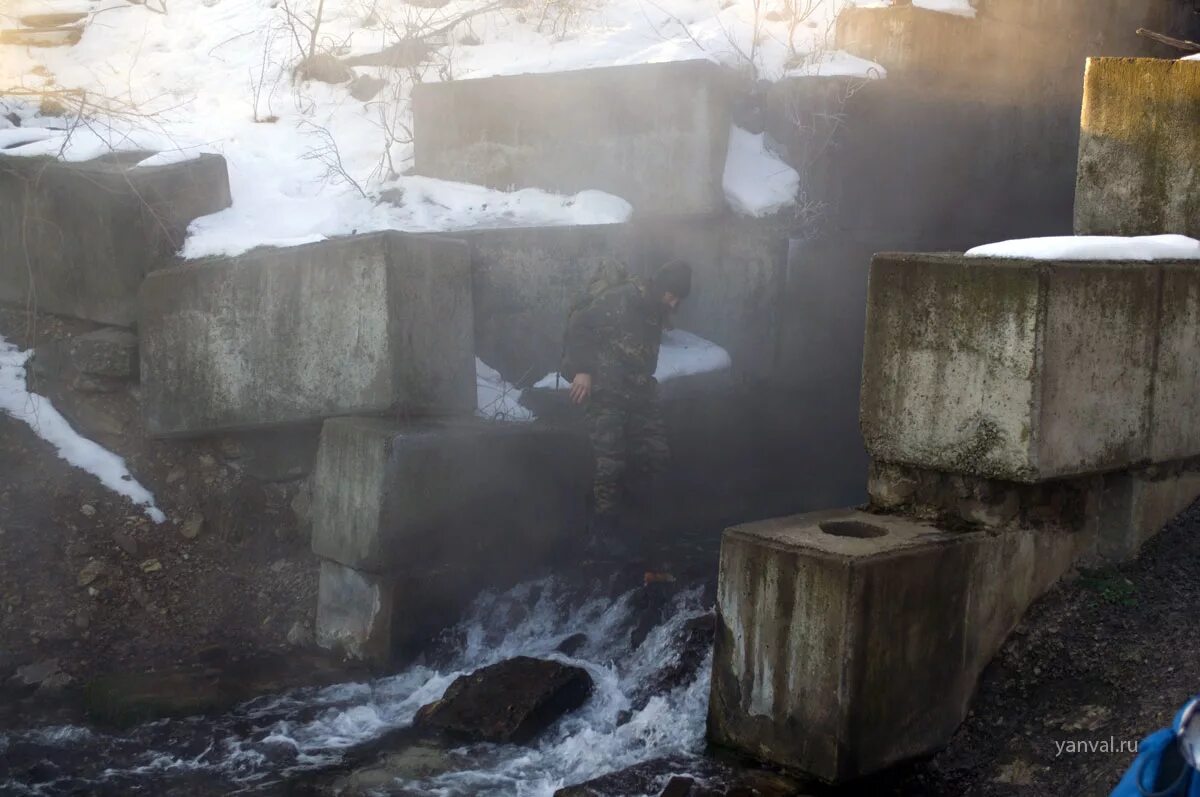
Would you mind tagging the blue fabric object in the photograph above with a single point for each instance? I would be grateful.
(1158, 751)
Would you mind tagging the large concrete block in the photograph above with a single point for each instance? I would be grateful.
(524, 282)
(654, 134)
(739, 270)
(847, 642)
(1138, 148)
(1137, 505)
(78, 238)
(1175, 432)
(1009, 369)
(395, 497)
(383, 619)
(365, 324)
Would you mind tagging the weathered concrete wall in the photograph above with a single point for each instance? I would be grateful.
(1139, 148)
(78, 238)
(427, 515)
(1176, 408)
(654, 134)
(877, 631)
(739, 269)
(1009, 369)
(389, 496)
(524, 282)
(364, 324)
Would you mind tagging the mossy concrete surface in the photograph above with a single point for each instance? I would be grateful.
(1016, 370)
(76, 239)
(1139, 150)
(841, 655)
(363, 324)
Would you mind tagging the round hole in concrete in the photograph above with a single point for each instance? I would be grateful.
(852, 528)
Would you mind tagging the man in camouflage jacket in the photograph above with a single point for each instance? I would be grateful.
(612, 353)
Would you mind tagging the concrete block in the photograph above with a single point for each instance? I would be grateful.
(739, 270)
(1137, 505)
(847, 642)
(1009, 369)
(1175, 432)
(497, 499)
(354, 612)
(1138, 148)
(364, 324)
(78, 238)
(654, 134)
(385, 619)
(524, 282)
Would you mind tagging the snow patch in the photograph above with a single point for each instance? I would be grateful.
(496, 399)
(1094, 247)
(215, 77)
(281, 211)
(48, 424)
(681, 354)
(757, 183)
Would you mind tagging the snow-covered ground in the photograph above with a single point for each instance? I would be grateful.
(1094, 247)
(496, 399)
(307, 160)
(51, 426)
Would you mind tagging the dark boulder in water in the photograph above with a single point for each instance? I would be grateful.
(508, 702)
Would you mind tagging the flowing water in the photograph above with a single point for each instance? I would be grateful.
(274, 742)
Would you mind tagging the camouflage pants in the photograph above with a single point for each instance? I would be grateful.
(629, 447)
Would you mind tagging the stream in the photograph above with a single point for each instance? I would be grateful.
(648, 702)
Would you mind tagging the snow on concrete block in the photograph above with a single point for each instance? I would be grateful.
(847, 642)
(497, 499)
(78, 238)
(1139, 154)
(655, 135)
(365, 324)
(1017, 370)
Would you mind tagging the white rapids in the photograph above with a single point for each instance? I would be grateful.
(274, 739)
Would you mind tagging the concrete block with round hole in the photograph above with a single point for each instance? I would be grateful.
(847, 642)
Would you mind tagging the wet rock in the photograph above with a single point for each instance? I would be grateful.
(411, 763)
(509, 702)
(571, 645)
(191, 528)
(176, 475)
(678, 786)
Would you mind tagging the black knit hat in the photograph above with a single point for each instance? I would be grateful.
(674, 276)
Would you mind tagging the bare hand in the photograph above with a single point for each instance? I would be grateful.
(581, 388)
